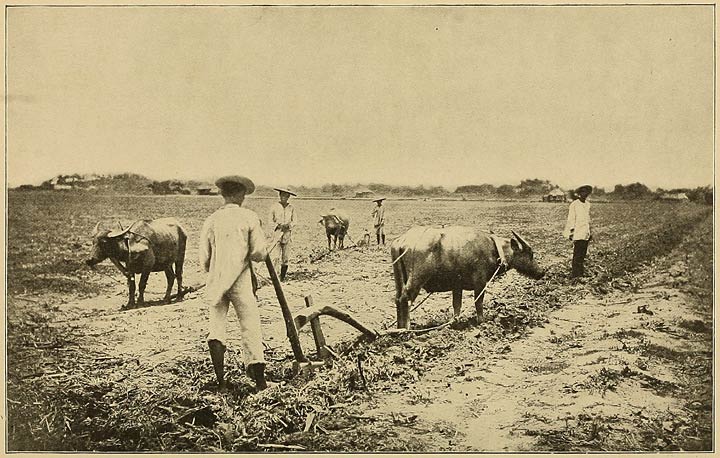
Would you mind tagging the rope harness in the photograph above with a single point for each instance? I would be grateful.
(501, 264)
(343, 227)
(276, 244)
(125, 270)
(128, 272)
(399, 257)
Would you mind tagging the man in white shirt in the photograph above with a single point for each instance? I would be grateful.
(577, 229)
(282, 219)
(229, 240)
(378, 215)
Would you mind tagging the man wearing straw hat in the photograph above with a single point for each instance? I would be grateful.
(378, 215)
(577, 229)
(282, 218)
(229, 240)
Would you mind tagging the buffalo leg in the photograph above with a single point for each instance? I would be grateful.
(179, 276)
(131, 290)
(141, 288)
(457, 302)
(403, 313)
(170, 275)
(403, 303)
(479, 303)
(179, 263)
(407, 299)
(401, 280)
(329, 242)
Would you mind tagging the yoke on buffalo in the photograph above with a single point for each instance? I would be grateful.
(143, 247)
(454, 258)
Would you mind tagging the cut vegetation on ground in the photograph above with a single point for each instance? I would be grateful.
(620, 360)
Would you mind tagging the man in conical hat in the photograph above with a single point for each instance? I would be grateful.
(230, 239)
(282, 219)
(577, 229)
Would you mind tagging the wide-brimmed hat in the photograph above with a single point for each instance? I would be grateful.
(585, 187)
(285, 190)
(379, 199)
(245, 182)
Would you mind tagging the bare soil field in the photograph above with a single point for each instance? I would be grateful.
(620, 360)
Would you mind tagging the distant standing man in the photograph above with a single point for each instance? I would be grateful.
(378, 215)
(577, 229)
(283, 220)
(229, 240)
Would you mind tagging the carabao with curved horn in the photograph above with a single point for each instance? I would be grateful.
(520, 239)
(456, 259)
(336, 224)
(156, 245)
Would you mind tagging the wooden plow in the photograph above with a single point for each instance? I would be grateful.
(311, 315)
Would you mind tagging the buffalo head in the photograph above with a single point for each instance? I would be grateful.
(522, 258)
(104, 245)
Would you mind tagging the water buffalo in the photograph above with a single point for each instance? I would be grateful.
(146, 246)
(336, 225)
(453, 259)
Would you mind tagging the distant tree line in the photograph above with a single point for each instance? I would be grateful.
(532, 188)
(169, 187)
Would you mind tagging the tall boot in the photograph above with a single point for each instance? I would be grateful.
(383, 239)
(283, 272)
(256, 371)
(378, 239)
(217, 355)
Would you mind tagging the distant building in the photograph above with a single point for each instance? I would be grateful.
(675, 196)
(91, 177)
(207, 191)
(556, 195)
(364, 193)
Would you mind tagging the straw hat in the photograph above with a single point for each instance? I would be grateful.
(245, 182)
(585, 187)
(285, 190)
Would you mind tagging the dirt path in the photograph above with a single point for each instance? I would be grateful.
(596, 376)
(160, 333)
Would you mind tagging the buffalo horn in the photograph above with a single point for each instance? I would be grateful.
(97, 228)
(522, 240)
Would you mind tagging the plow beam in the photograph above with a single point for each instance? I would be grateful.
(311, 313)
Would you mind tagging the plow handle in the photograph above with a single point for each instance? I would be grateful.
(287, 315)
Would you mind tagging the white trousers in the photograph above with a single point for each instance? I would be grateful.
(241, 296)
(281, 254)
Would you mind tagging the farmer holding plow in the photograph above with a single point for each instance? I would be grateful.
(282, 219)
(230, 239)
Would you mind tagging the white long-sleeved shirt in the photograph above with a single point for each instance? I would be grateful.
(283, 215)
(578, 221)
(378, 215)
(229, 239)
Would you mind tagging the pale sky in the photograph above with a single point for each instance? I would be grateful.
(399, 95)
